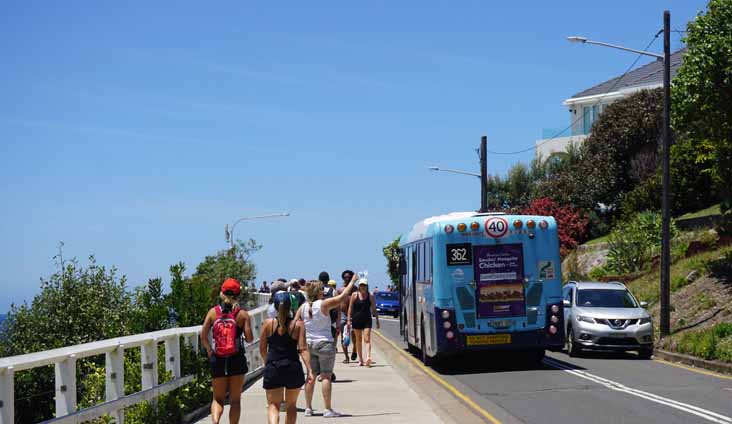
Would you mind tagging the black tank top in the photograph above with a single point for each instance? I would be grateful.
(281, 346)
(361, 310)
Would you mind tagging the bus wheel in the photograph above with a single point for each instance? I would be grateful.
(426, 359)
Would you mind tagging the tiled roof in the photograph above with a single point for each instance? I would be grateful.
(649, 74)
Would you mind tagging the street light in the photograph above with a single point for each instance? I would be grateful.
(665, 193)
(454, 171)
(483, 174)
(229, 233)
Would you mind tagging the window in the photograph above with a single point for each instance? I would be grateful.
(568, 294)
(604, 298)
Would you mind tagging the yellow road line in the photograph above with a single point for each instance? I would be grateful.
(441, 381)
(696, 370)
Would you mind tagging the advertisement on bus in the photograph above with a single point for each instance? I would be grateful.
(499, 271)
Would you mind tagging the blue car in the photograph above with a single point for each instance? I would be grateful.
(387, 303)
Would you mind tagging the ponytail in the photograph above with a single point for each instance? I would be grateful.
(312, 289)
(283, 315)
(230, 302)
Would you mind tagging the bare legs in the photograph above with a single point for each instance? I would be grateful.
(220, 386)
(367, 345)
(275, 397)
(326, 388)
(358, 336)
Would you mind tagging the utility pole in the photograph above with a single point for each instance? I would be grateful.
(665, 207)
(483, 175)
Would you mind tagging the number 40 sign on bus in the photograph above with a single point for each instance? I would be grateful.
(496, 227)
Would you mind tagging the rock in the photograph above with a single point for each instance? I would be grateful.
(692, 276)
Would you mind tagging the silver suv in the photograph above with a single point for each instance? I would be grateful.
(605, 316)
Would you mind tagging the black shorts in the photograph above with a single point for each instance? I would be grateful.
(286, 373)
(360, 325)
(228, 366)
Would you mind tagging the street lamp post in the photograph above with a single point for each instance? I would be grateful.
(229, 231)
(483, 174)
(665, 163)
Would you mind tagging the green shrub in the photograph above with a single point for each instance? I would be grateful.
(713, 343)
(598, 272)
(633, 243)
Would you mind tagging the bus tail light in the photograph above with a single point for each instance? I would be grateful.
(445, 314)
(543, 224)
(555, 309)
(450, 335)
(449, 229)
(552, 330)
(530, 224)
(447, 325)
(475, 226)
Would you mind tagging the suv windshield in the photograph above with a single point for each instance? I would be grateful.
(599, 298)
(387, 296)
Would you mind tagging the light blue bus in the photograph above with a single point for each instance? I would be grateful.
(473, 281)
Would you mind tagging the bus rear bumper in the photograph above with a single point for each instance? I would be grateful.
(523, 340)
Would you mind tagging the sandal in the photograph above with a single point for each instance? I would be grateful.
(346, 361)
(360, 363)
(368, 362)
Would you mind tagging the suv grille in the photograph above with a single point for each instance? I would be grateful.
(617, 323)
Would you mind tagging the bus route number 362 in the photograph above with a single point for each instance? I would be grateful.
(459, 254)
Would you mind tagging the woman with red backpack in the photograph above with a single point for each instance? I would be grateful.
(229, 324)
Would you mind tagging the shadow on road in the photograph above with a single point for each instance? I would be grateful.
(492, 362)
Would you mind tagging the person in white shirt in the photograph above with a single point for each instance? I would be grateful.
(321, 344)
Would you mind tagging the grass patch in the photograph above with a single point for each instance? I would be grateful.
(646, 288)
(712, 210)
(714, 343)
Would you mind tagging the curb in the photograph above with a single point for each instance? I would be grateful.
(716, 366)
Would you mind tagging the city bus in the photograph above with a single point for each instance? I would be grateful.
(472, 281)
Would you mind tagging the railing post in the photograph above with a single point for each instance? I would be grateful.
(115, 379)
(172, 355)
(65, 386)
(149, 363)
(7, 396)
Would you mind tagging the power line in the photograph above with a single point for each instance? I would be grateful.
(610, 90)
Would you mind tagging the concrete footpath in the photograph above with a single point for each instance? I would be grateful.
(362, 395)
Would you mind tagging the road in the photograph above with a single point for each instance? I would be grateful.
(599, 388)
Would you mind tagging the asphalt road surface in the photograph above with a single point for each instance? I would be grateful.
(598, 388)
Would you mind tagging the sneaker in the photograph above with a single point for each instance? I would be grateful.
(329, 413)
(308, 412)
(354, 355)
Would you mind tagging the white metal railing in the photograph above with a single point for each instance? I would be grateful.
(64, 361)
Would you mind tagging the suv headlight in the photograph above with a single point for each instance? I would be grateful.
(585, 319)
(646, 320)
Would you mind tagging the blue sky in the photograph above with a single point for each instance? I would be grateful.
(136, 131)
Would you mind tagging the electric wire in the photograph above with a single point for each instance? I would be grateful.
(609, 90)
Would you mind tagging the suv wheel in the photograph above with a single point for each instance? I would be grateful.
(572, 348)
(646, 353)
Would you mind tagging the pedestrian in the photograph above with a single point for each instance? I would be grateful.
(321, 343)
(345, 332)
(227, 356)
(298, 296)
(328, 292)
(281, 340)
(362, 307)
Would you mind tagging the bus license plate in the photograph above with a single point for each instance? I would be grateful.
(489, 339)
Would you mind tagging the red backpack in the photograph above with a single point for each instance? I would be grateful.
(225, 332)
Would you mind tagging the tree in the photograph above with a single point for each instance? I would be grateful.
(622, 150)
(77, 304)
(571, 223)
(391, 253)
(702, 96)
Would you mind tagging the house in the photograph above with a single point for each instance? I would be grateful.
(586, 106)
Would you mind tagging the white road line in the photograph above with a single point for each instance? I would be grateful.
(613, 385)
(388, 319)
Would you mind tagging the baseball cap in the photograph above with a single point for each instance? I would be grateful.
(231, 285)
(282, 298)
(363, 282)
(332, 283)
